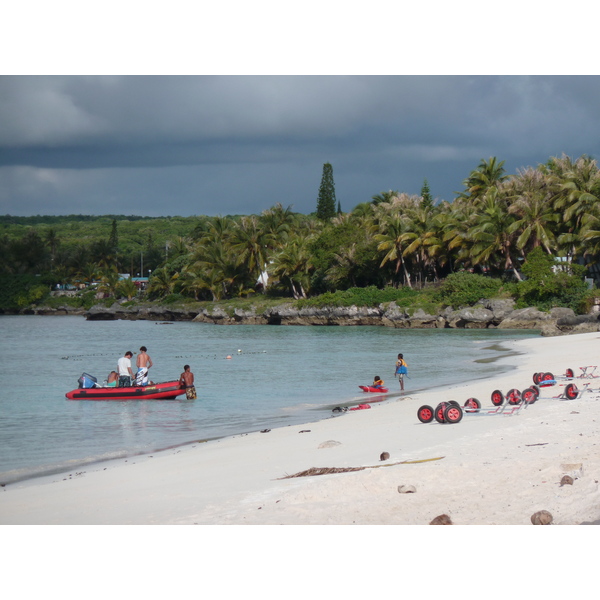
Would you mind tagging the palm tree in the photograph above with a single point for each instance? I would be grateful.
(536, 221)
(492, 240)
(392, 228)
(490, 173)
(293, 265)
(250, 243)
(162, 283)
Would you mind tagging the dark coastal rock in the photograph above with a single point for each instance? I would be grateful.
(423, 320)
(485, 314)
(500, 308)
(102, 313)
(471, 318)
(524, 318)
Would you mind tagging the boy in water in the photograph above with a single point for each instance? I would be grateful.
(401, 370)
(187, 381)
(377, 382)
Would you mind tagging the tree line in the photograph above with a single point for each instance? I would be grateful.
(392, 240)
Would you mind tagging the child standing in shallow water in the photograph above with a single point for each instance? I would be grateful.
(186, 379)
(401, 370)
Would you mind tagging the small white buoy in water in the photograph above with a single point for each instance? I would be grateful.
(239, 351)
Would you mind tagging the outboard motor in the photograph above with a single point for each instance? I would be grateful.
(87, 381)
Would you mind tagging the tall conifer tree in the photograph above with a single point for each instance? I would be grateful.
(426, 195)
(326, 201)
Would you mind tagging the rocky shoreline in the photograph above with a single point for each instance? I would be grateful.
(487, 314)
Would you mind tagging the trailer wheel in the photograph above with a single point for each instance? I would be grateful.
(513, 396)
(529, 395)
(425, 414)
(497, 398)
(536, 389)
(454, 402)
(453, 414)
(569, 374)
(536, 378)
(571, 391)
(439, 412)
(472, 405)
(547, 377)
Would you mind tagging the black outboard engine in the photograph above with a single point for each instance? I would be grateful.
(87, 381)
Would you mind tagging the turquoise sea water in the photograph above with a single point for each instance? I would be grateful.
(276, 376)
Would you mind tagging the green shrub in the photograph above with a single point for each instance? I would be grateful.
(466, 289)
(546, 288)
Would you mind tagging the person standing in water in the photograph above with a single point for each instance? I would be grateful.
(186, 379)
(401, 370)
(143, 363)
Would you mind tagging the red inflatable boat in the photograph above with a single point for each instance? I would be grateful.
(368, 388)
(169, 390)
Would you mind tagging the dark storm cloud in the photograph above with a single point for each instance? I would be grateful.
(239, 144)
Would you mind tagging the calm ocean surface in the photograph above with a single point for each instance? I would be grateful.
(277, 376)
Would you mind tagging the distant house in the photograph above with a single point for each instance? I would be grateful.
(140, 282)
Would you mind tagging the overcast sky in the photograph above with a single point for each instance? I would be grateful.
(238, 144)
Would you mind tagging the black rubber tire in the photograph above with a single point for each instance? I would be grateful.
(547, 377)
(571, 391)
(453, 414)
(536, 378)
(513, 396)
(530, 395)
(439, 412)
(497, 398)
(453, 402)
(425, 414)
(472, 405)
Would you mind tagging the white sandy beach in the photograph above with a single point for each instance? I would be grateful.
(492, 469)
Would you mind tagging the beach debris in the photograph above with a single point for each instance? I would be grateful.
(566, 480)
(323, 471)
(541, 517)
(540, 444)
(265, 430)
(339, 409)
(327, 470)
(329, 444)
(304, 431)
(407, 489)
(442, 520)
(384, 456)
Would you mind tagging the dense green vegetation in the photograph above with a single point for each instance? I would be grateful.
(501, 236)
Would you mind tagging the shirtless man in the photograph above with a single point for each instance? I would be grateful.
(143, 363)
(186, 380)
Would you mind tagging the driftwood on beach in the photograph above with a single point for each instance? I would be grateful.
(331, 470)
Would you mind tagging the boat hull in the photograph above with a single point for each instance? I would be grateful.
(168, 390)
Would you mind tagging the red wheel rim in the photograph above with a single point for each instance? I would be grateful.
(529, 395)
(426, 414)
(547, 377)
(513, 396)
(569, 373)
(453, 414)
(439, 412)
(571, 391)
(497, 398)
